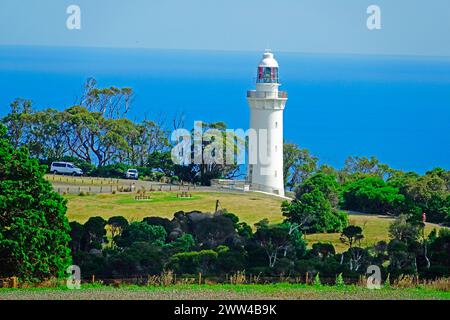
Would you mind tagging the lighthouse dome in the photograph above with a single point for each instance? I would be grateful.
(268, 60)
(267, 69)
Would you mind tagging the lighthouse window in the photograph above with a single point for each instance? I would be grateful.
(276, 148)
(275, 173)
(267, 75)
(276, 124)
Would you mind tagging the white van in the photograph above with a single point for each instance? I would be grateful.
(65, 168)
(131, 174)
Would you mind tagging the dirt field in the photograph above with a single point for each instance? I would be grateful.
(224, 292)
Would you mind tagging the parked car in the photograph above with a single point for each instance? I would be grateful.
(65, 168)
(131, 174)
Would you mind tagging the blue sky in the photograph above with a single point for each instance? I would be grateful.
(409, 27)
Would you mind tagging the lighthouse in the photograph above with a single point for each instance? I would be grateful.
(265, 165)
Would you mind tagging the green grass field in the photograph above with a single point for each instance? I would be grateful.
(280, 291)
(250, 207)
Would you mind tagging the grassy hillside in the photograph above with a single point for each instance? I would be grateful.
(250, 207)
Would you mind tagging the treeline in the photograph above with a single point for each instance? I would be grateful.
(365, 185)
(218, 244)
(96, 135)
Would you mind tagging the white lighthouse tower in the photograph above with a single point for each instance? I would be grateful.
(265, 171)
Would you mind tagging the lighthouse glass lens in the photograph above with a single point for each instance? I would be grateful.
(267, 75)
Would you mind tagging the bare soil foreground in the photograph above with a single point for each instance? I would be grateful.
(224, 292)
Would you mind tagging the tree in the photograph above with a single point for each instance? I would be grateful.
(242, 228)
(90, 134)
(112, 102)
(158, 221)
(312, 212)
(44, 137)
(372, 195)
(148, 139)
(298, 164)
(183, 243)
(16, 122)
(402, 257)
(273, 239)
(357, 257)
(351, 234)
(428, 193)
(34, 231)
(140, 258)
(326, 183)
(76, 236)
(213, 231)
(209, 154)
(404, 247)
(94, 233)
(117, 224)
(193, 262)
(141, 232)
(403, 229)
(323, 250)
(230, 260)
(297, 216)
(161, 162)
(363, 166)
(440, 252)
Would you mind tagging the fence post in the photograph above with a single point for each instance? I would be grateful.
(93, 278)
(199, 278)
(14, 282)
(306, 278)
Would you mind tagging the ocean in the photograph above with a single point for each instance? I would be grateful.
(395, 108)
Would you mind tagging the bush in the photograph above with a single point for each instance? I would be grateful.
(141, 232)
(193, 262)
(314, 208)
(317, 282)
(339, 280)
(372, 195)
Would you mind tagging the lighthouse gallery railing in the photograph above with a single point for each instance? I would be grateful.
(266, 94)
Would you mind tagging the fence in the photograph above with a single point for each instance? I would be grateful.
(82, 180)
(130, 188)
(11, 282)
(308, 279)
(168, 278)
